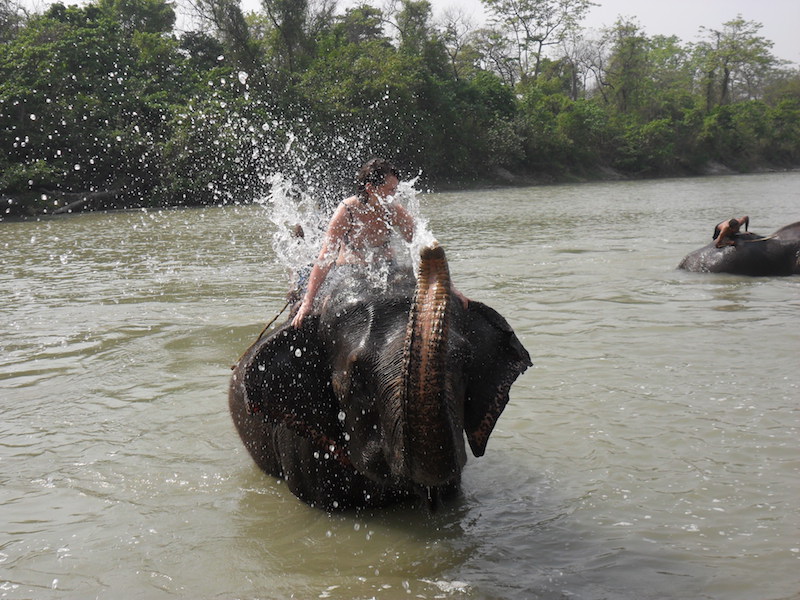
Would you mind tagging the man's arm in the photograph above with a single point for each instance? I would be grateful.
(327, 256)
(746, 221)
(724, 231)
(404, 222)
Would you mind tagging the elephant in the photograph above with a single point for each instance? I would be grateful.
(367, 403)
(752, 254)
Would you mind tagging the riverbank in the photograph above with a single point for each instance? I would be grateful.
(505, 178)
(49, 203)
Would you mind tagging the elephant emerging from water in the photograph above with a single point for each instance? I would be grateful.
(752, 254)
(368, 401)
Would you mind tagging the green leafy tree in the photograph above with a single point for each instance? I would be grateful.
(360, 24)
(782, 84)
(534, 25)
(220, 146)
(104, 99)
(646, 149)
(91, 102)
(148, 16)
(11, 20)
(65, 77)
(672, 78)
(588, 128)
(628, 68)
(645, 77)
(734, 61)
(235, 33)
(295, 27)
(457, 34)
(414, 26)
(419, 37)
(784, 145)
(203, 51)
(546, 146)
(495, 53)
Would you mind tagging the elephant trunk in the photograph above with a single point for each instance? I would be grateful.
(432, 439)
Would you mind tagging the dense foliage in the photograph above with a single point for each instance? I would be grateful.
(107, 104)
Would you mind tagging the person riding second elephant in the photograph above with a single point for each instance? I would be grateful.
(726, 231)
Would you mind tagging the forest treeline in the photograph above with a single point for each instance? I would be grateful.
(108, 104)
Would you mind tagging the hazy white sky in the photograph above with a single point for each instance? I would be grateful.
(780, 18)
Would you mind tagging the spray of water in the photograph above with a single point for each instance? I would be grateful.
(303, 171)
(301, 219)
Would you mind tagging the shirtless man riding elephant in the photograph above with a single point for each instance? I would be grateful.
(361, 229)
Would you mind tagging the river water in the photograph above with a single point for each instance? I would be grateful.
(651, 452)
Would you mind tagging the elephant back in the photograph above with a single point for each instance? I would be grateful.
(789, 233)
(753, 255)
(349, 286)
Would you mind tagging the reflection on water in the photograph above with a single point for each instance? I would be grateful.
(650, 453)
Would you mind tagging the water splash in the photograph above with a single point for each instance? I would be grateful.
(302, 172)
(301, 219)
(409, 195)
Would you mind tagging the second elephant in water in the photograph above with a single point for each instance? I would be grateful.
(751, 254)
(369, 400)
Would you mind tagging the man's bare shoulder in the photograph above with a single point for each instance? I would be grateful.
(341, 216)
(350, 202)
(401, 212)
(344, 207)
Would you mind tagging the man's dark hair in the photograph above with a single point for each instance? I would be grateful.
(375, 171)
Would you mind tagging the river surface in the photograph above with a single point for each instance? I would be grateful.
(650, 453)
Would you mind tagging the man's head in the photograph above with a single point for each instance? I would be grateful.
(373, 175)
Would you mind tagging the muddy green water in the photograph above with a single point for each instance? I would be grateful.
(652, 452)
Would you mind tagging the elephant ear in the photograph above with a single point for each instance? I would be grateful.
(498, 358)
(286, 377)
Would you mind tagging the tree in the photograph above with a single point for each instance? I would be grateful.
(734, 61)
(495, 53)
(360, 24)
(533, 25)
(457, 35)
(577, 54)
(150, 16)
(92, 106)
(297, 24)
(645, 77)
(71, 125)
(202, 49)
(232, 28)
(419, 37)
(672, 72)
(11, 20)
(414, 26)
(627, 72)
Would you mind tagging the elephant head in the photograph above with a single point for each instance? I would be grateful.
(370, 400)
(755, 255)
